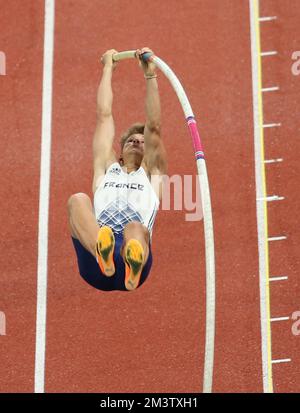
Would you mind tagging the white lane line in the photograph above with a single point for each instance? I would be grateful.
(278, 278)
(281, 361)
(267, 19)
(270, 53)
(261, 207)
(283, 237)
(39, 380)
(280, 319)
(271, 125)
(271, 198)
(270, 89)
(273, 160)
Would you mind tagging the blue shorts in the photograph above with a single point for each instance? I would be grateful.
(90, 271)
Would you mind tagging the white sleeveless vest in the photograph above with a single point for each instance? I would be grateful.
(121, 198)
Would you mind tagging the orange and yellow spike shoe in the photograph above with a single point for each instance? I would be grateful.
(134, 262)
(105, 251)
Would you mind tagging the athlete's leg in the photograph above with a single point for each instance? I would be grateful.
(82, 221)
(138, 231)
(135, 252)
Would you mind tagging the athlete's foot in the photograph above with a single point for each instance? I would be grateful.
(105, 251)
(134, 262)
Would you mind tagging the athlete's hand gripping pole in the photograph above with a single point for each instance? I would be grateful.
(130, 54)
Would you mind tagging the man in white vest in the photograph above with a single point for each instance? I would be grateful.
(112, 236)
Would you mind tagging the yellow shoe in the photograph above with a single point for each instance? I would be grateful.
(134, 262)
(105, 251)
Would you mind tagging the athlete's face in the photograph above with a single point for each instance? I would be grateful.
(135, 143)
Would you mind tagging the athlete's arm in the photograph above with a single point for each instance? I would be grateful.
(103, 153)
(154, 152)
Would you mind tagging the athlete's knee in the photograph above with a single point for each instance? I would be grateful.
(76, 200)
(136, 227)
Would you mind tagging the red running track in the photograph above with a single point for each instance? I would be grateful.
(151, 340)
